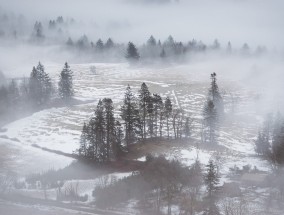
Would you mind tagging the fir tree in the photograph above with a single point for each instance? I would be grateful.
(65, 85)
(151, 41)
(168, 112)
(109, 43)
(211, 178)
(157, 111)
(132, 52)
(117, 145)
(210, 122)
(99, 45)
(40, 86)
(215, 95)
(83, 149)
(130, 115)
(144, 101)
(109, 127)
(99, 129)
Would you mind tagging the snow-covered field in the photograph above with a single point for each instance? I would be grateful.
(187, 86)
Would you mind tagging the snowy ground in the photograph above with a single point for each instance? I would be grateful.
(187, 86)
(59, 128)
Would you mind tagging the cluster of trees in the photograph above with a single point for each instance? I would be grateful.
(152, 49)
(143, 116)
(35, 91)
(163, 183)
(270, 140)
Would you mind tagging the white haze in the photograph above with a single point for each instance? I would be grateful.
(256, 22)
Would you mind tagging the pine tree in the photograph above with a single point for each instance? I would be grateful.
(168, 109)
(117, 146)
(132, 52)
(210, 122)
(99, 45)
(109, 43)
(144, 100)
(109, 127)
(83, 149)
(158, 107)
(211, 178)
(129, 113)
(65, 84)
(40, 86)
(215, 95)
(151, 115)
(151, 41)
(99, 129)
(70, 42)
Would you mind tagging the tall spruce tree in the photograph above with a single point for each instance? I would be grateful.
(211, 126)
(40, 86)
(144, 100)
(99, 129)
(83, 148)
(215, 95)
(117, 145)
(132, 52)
(211, 178)
(158, 107)
(130, 115)
(168, 109)
(109, 127)
(65, 84)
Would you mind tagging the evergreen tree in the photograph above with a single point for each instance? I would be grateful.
(70, 42)
(117, 145)
(158, 107)
(83, 149)
(130, 115)
(215, 95)
(151, 41)
(99, 129)
(211, 178)
(40, 86)
(168, 109)
(132, 52)
(109, 43)
(109, 127)
(99, 45)
(38, 30)
(210, 122)
(144, 101)
(65, 85)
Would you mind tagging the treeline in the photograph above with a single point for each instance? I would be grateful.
(144, 116)
(36, 91)
(155, 49)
